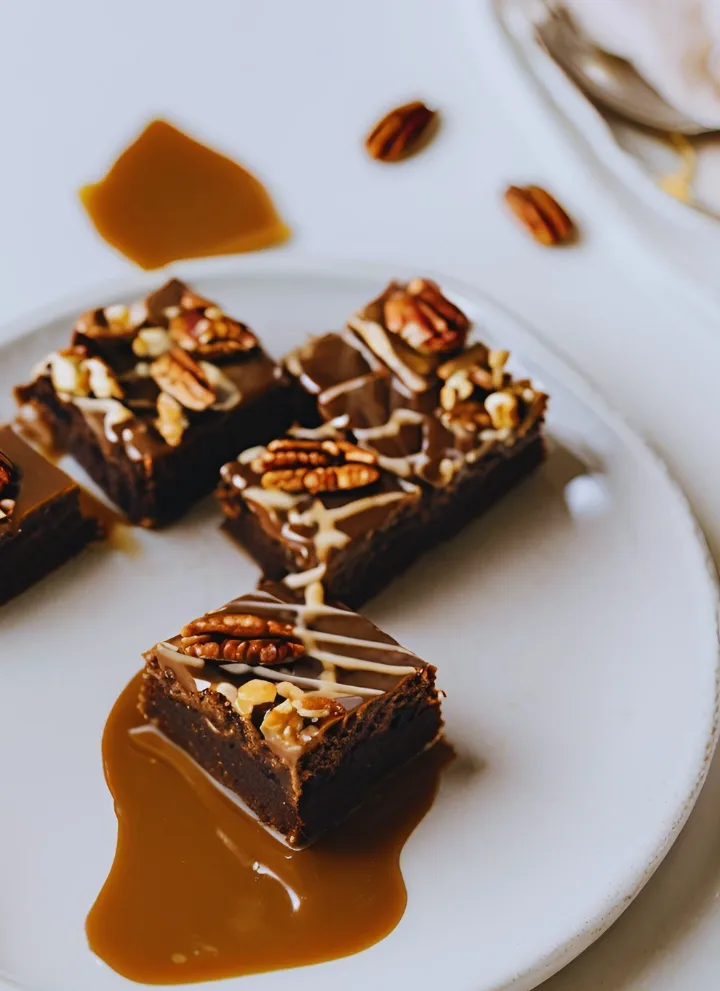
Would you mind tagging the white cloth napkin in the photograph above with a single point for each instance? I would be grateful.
(675, 45)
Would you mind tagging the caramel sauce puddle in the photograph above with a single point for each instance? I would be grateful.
(199, 890)
(169, 197)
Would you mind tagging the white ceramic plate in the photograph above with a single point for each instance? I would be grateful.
(574, 628)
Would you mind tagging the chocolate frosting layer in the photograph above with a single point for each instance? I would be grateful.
(345, 660)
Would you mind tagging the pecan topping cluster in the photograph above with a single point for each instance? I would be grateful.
(315, 466)
(427, 321)
(478, 393)
(241, 637)
(74, 372)
(286, 723)
(203, 329)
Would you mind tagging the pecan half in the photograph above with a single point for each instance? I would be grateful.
(7, 472)
(242, 637)
(424, 318)
(540, 214)
(182, 378)
(238, 625)
(206, 331)
(399, 132)
(350, 476)
(314, 466)
(246, 651)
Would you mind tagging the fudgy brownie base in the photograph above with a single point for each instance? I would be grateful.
(298, 709)
(328, 782)
(50, 536)
(366, 567)
(156, 493)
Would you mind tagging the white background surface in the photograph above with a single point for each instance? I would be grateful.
(290, 89)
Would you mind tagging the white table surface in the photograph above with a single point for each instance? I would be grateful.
(289, 88)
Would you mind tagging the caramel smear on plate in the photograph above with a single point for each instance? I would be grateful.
(169, 197)
(199, 890)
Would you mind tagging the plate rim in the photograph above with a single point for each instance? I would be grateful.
(283, 263)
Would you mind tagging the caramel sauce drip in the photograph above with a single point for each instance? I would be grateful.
(169, 197)
(199, 890)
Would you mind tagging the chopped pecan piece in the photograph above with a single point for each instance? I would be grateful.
(399, 132)
(315, 466)
(424, 318)
(503, 409)
(253, 693)
(206, 331)
(101, 379)
(317, 707)
(117, 320)
(7, 507)
(540, 214)
(182, 378)
(283, 725)
(171, 422)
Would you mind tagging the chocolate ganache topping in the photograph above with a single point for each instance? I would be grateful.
(144, 375)
(290, 668)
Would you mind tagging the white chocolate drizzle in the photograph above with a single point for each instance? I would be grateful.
(399, 418)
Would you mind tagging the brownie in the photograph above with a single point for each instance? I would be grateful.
(41, 523)
(299, 709)
(153, 398)
(400, 393)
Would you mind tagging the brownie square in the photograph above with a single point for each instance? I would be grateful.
(298, 709)
(41, 524)
(442, 417)
(153, 398)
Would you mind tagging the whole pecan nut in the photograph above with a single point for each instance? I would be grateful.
(205, 330)
(314, 466)
(424, 318)
(399, 132)
(540, 213)
(241, 637)
(182, 378)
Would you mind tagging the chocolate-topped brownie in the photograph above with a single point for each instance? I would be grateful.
(299, 708)
(153, 398)
(443, 416)
(41, 524)
(314, 505)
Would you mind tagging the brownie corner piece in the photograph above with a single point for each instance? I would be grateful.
(41, 521)
(152, 398)
(299, 710)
